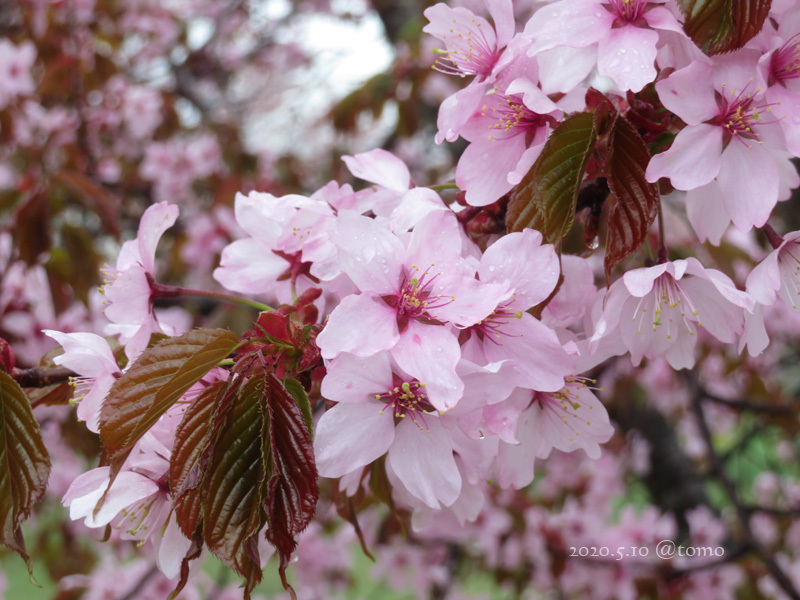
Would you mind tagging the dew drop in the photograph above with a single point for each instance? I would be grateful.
(595, 243)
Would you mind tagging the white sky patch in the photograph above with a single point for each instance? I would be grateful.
(344, 54)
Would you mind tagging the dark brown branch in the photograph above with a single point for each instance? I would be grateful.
(748, 405)
(39, 377)
(743, 514)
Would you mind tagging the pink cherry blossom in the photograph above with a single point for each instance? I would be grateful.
(728, 135)
(507, 134)
(90, 356)
(405, 292)
(625, 31)
(570, 419)
(509, 332)
(473, 48)
(127, 291)
(373, 395)
(778, 275)
(658, 310)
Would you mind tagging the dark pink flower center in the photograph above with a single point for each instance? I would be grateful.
(785, 62)
(510, 117)
(491, 328)
(416, 298)
(740, 112)
(468, 51)
(407, 399)
(628, 10)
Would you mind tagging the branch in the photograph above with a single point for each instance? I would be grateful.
(743, 514)
(39, 377)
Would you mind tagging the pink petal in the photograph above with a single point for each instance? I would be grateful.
(706, 212)
(414, 206)
(502, 12)
(456, 110)
(128, 297)
(246, 266)
(533, 279)
(721, 318)
(749, 181)
(561, 69)
(171, 546)
(534, 350)
(764, 280)
(362, 324)
(380, 167)
(515, 462)
(350, 436)
(640, 281)
(660, 17)
(787, 109)
(627, 55)
(368, 252)
(575, 23)
(484, 166)
(155, 221)
(424, 463)
(352, 379)
(436, 244)
(579, 423)
(468, 301)
(689, 93)
(85, 353)
(694, 158)
(430, 353)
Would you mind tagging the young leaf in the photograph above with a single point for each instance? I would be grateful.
(718, 26)
(185, 467)
(160, 376)
(635, 203)
(545, 198)
(233, 485)
(24, 465)
(298, 392)
(292, 491)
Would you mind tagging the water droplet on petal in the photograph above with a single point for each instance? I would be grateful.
(595, 243)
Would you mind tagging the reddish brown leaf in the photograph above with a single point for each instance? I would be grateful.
(635, 200)
(24, 464)
(719, 26)
(233, 485)
(160, 376)
(185, 469)
(292, 491)
(545, 198)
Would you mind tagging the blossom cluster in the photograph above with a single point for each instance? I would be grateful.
(448, 356)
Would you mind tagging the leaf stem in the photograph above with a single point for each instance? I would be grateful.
(450, 185)
(172, 291)
(663, 253)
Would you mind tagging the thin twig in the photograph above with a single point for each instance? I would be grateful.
(39, 377)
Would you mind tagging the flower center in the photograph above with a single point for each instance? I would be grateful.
(407, 398)
(628, 10)
(510, 117)
(416, 298)
(468, 51)
(739, 113)
(491, 328)
(667, 305)
(566, 402)
(785, 62)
